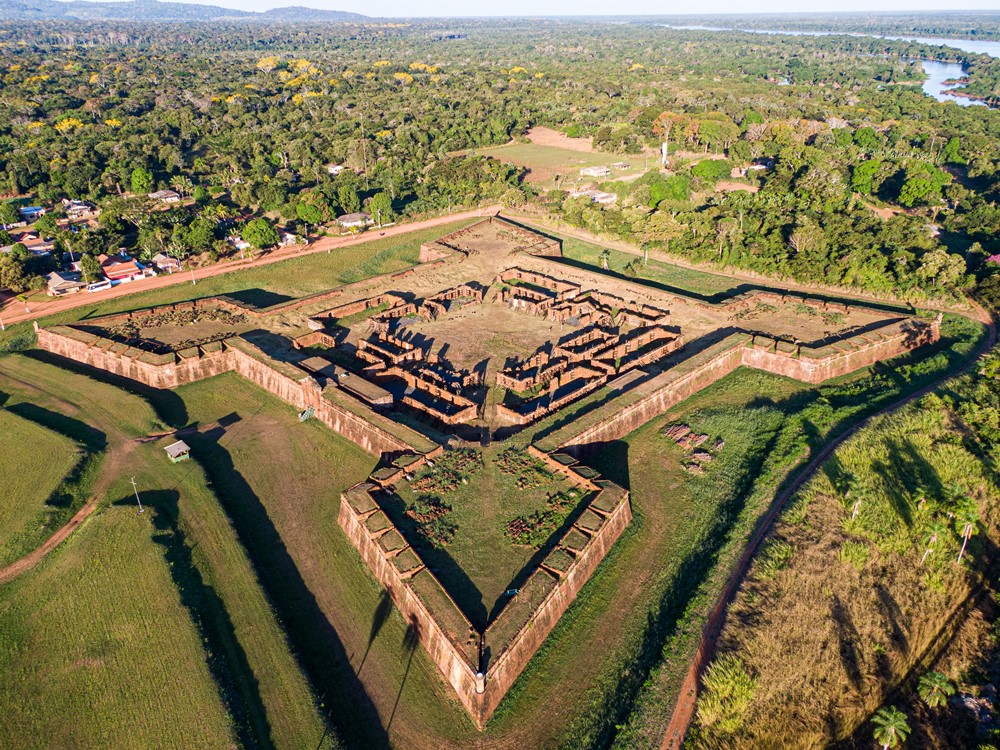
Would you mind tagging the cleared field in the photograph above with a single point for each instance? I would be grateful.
(33, 463)
(546, 162)
(224, 640)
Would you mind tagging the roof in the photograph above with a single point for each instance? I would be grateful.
(164, 194)
(161, 259)
(57, 279)
(177, 449)
(353, 218)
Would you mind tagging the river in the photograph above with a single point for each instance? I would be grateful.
(937, 72)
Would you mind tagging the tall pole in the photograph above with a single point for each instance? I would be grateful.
(136, 491)
(192, 276)
(2, 328)
(364, 150)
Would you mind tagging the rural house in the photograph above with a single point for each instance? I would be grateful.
(595, 172)
(166, 263)
(165, 196)
(354, 221)
(60, 283)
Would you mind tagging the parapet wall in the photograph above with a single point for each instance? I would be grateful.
(247, 361)
(735, 352)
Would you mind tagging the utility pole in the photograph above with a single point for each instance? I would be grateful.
(2, 328)
(192, 276)
(379, 212)
(136, 491)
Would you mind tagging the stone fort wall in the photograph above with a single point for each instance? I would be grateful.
(759, 354)
(247, 361)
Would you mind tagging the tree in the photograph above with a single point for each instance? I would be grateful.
(47, 225)
(380, 206)
(12, 274)
(348, 199)
(142, 181)
(863, 176)
(200, 234)
(8, 214)
(935, 688)
(260, 234)
(891, 727)
(90, 269)
(309, 214)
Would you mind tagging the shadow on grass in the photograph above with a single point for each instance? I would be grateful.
(169, 407)
(92, 439)
(315, 642)
(226, 658)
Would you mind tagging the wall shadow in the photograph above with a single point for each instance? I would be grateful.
(93, 439)
(315, 642)
(227, 661)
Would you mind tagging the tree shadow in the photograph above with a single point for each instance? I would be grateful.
(315, 642)
(848, 637)
(227, 661)
(379, 618)
(411, 639)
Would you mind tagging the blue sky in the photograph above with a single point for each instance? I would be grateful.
(411, 8)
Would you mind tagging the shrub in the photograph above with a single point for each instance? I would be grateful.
(728, 691)
(712, 169)
(774, 558)
(854, 554)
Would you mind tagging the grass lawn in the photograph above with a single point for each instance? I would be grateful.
(97, 649)
(480, 511)
(547, 161)
(700, 283)
(223, 641)
(33, 463)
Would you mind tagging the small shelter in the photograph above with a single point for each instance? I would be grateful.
(179, 451)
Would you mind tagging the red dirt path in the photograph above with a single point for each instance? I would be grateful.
(61, 304)
(688, 695)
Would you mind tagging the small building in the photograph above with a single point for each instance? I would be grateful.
(335, 169)
(121, 268)
(288, 239)
(166, 263)
(239, 243)
(596, 196)
(595, 172)
(62, 283)
(32, 213)
(165, 196)
(354, 221)
(621, 165)
(179, 451)
(76, 209)
(36, 245)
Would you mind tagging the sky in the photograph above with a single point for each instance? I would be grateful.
(410, 8)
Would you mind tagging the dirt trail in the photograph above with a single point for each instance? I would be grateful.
(688, 695)
(62, 304)
(114, 460)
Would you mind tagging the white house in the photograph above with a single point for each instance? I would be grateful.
(596, 196)
(166, 196)
(166, 263)
(335, 169)
(595, 172)
(354, 221)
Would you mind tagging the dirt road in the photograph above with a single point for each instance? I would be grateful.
(14, 312)
(688, 695)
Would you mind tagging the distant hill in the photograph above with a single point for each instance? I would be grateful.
(153, 10)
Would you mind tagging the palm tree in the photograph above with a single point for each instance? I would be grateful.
(934, 688)
(891, 727)
(934, 532)
(605, 255)
(966, 518)
(860, 494)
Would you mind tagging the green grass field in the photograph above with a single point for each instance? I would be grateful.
(546, 161)
(170, 594)
(676, 277)
(33, 463)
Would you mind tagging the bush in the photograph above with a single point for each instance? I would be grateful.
(774, 558)
(727, 692)
(854, 554)
(712, 169)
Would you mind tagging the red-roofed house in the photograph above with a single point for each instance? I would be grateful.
(120, 268)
